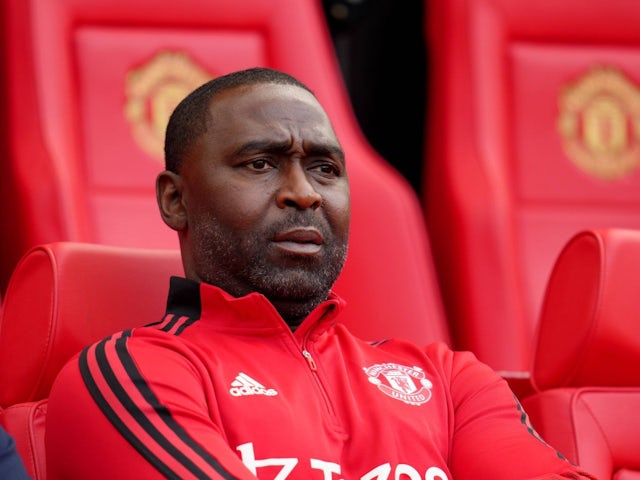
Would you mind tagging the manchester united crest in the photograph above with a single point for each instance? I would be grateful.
(153, 90)
(407, 384)
(599, 123)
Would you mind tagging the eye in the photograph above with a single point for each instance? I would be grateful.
(327, 169)
(259, 164)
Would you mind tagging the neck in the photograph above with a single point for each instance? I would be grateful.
(293, 312)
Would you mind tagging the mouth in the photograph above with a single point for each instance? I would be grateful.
(300, 241)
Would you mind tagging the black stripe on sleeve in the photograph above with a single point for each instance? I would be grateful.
(124, 398)
(161, 410)
(117, 422)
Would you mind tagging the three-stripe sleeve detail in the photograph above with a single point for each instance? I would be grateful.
(118, 388)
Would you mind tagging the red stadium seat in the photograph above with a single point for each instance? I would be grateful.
(61, 297)
(91, 84)
(532, 136)
(588, 352)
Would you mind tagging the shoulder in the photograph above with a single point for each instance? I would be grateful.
(459, 369)
(439, 354)
(125, 355)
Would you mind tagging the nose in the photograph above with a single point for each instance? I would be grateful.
(296, 190)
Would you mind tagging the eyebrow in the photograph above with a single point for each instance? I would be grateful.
(274, 147)
(262, 146)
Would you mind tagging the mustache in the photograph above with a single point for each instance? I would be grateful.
(300, 219)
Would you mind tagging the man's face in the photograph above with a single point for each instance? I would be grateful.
(267, 198)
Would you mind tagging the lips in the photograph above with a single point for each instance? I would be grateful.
(304, 240)
(300, 235)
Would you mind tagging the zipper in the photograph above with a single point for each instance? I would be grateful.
(310, 360)
(314, 370)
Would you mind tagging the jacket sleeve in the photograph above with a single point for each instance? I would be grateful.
(492, 435)
(127, 407)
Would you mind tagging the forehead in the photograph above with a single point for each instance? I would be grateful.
(272, 108)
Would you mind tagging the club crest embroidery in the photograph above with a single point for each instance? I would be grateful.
(407, 384)
(153, 90)
(599, 123)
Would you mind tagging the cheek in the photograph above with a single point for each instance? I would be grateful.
(237, 207)
(339, 212)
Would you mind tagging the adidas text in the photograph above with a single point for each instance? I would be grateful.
(244, 385)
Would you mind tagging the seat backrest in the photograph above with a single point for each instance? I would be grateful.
(91, 85)
(532, 136)
(62, 297)
(587, 354)
(589, 332)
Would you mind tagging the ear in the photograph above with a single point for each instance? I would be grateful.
(169, 187)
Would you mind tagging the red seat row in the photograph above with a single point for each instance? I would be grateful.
(586, 376)
(532, 137)
(587, 353)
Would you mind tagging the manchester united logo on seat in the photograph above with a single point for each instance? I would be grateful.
(153, 90)
(599, 123)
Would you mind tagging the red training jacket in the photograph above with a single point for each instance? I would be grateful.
(221, 388)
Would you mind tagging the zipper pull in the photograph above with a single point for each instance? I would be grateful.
(310, 360)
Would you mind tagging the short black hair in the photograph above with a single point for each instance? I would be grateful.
(189, 119)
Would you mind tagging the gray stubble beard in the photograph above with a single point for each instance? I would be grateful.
(294, 290)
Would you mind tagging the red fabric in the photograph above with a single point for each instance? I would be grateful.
(588, 352)
(502, 195)
(222, 385)
(626, 474)
(590, 318)
(58, 301)
(61, 297)
(26, 424)
(595, 427)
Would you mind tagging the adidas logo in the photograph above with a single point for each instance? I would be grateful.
(244, 385)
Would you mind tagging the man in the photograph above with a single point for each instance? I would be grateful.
(11, 465)
(251, 374)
